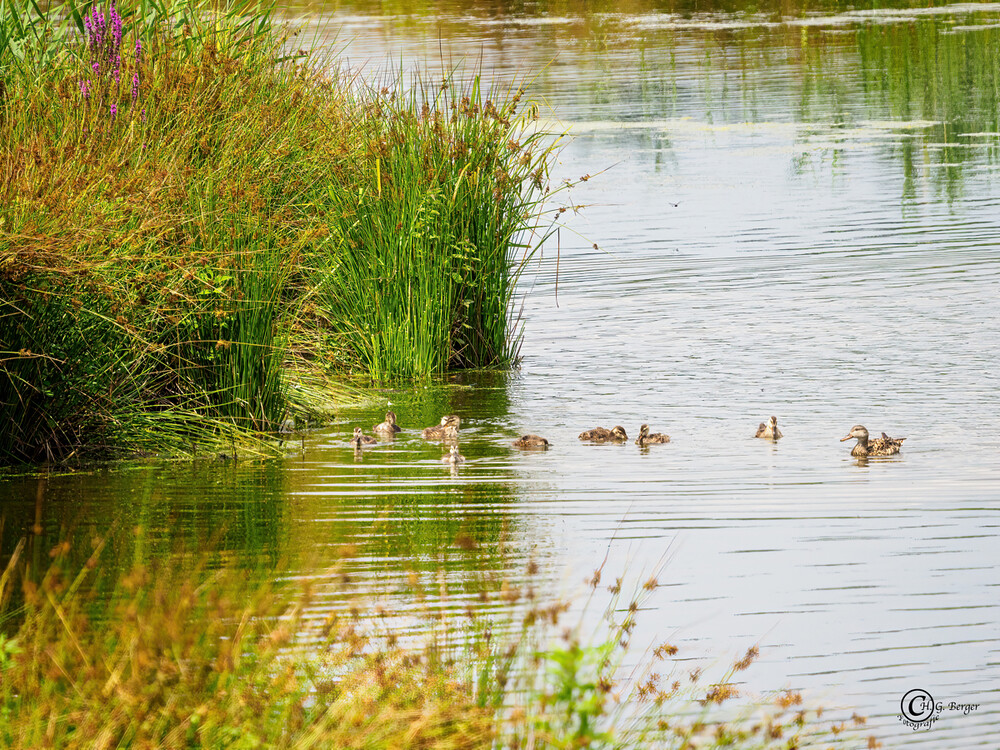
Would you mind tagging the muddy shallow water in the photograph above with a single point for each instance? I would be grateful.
(797, 217)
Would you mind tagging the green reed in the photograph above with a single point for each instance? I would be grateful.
(439, 214)
(188, 655)
(192, 221)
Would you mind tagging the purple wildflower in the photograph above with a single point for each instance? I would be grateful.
(114, 111)
(135, 85)
(116, 28)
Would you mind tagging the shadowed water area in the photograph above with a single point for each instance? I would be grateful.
(796, 213)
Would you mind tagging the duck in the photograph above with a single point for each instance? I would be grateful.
(389, 426)
(645, 438)
(600, 435)
(453, 457)
(531, 442)
(447, 430)
(769, 430)
(883, 446)
(360, 438)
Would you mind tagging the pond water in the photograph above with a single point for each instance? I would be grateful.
(794, 215)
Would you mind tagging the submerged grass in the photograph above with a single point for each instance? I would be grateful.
(191, 217)
(184, 656)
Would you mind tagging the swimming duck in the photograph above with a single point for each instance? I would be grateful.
(453, 457)
(447, 430)
(360, 438)
(883, 446)
(600, 435)
(389, 426)
(769, 430)
(531, 442)
(645, 438)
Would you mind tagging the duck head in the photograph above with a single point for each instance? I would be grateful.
(619, 432)
(858, 432)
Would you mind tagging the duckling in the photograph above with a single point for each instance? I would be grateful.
(454, 457)
(600, 435)
(769, 430)
(389, 426)
(531, 442)
(447, 430)
(645, 438)
(360, 438)
(883, 446)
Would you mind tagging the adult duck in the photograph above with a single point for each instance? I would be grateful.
(883, 446)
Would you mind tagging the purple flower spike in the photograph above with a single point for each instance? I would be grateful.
(135, 85)
(114, 111)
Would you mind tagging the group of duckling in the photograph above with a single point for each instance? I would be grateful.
(447, 431)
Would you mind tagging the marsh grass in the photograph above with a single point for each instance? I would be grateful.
(191, 217)
(428, 248)
(191, 655)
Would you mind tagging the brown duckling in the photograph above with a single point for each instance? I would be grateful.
(600, 435)
(453, 457)
(645, 438)
(389, 426)
(883, 446)
(360, 438)
(447, 430)
(531, 442)
(769, 430)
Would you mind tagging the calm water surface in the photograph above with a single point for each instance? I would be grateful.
(794, 216)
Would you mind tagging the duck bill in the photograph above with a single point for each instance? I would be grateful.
(846, 438)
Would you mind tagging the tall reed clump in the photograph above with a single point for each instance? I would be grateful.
(183, 656)
(146, 233)
(420, 268)
(189, 216)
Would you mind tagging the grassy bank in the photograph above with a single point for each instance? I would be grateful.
(185, 656)
(200, 228)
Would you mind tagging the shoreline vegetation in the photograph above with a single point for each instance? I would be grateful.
(186, 655)
(206, 232)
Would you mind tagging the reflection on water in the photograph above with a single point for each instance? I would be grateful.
(794, 217)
